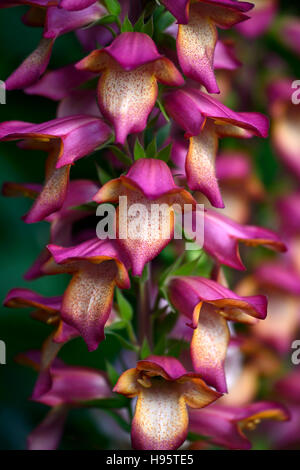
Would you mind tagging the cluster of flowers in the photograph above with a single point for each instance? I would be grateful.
(147, 102)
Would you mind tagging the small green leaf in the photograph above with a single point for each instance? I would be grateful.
(162, 109)
(145, 274)
(113, 6)
(164, 153)
(160, 347)
(140, 23)
(138, 151)
(108, 19)
(126, 26)
(115, 402)
(170, 270)
(151, 149)
(189, 268)
(164, 20)
(162, 134)
(125, 308)
(112, 374)
(122, 341)
(175, 347)
(118, 325)
(122, 156)
(145, 349)
(103, 176)
(148, 28)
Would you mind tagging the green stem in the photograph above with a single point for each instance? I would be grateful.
(144, 327)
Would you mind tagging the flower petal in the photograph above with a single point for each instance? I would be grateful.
(179, 9)
(47, 435)
(76, 5)
(32, 68)
(225, 57)
(53, 194)
(189, 107)
(223, 424)
(20, 298)
(60, 21)
(72, 385)
(200, 165)
(260, 19)
(56, 84)
(196, 43)
(127, 88)
(88, 300)
(222, 235)
(161, 419)
(209, 347)
(187, 292)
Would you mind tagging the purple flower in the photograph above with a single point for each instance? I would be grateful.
(62, 139)
(164, 389)
(205, 120)
(127, 90)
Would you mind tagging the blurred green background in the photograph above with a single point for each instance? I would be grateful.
(21, 243)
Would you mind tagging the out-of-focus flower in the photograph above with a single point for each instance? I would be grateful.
(164, 389)
(197, 34)
(285, 123)
(62, 139)
(287, 435)
(239, 184)
(289, 215)
(224, 425)
(71, 387)
(281, 284)
(127, 90)
(260, 19)
(205, 120)
(148, 182)
(97, 267)
(209, 306)
(290, 33)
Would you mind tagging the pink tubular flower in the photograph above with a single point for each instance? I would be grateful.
(70, 387)
(209, 305)
(260, 19)
(97, 267)
(149, 181)
(197, 34)
(56, 21)
(224, 425)
(59, 83)
(61, 138)
(47, 310)
(222, 236)
(61, 222)
(163, 389)
(130, 68)
(205, 120)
